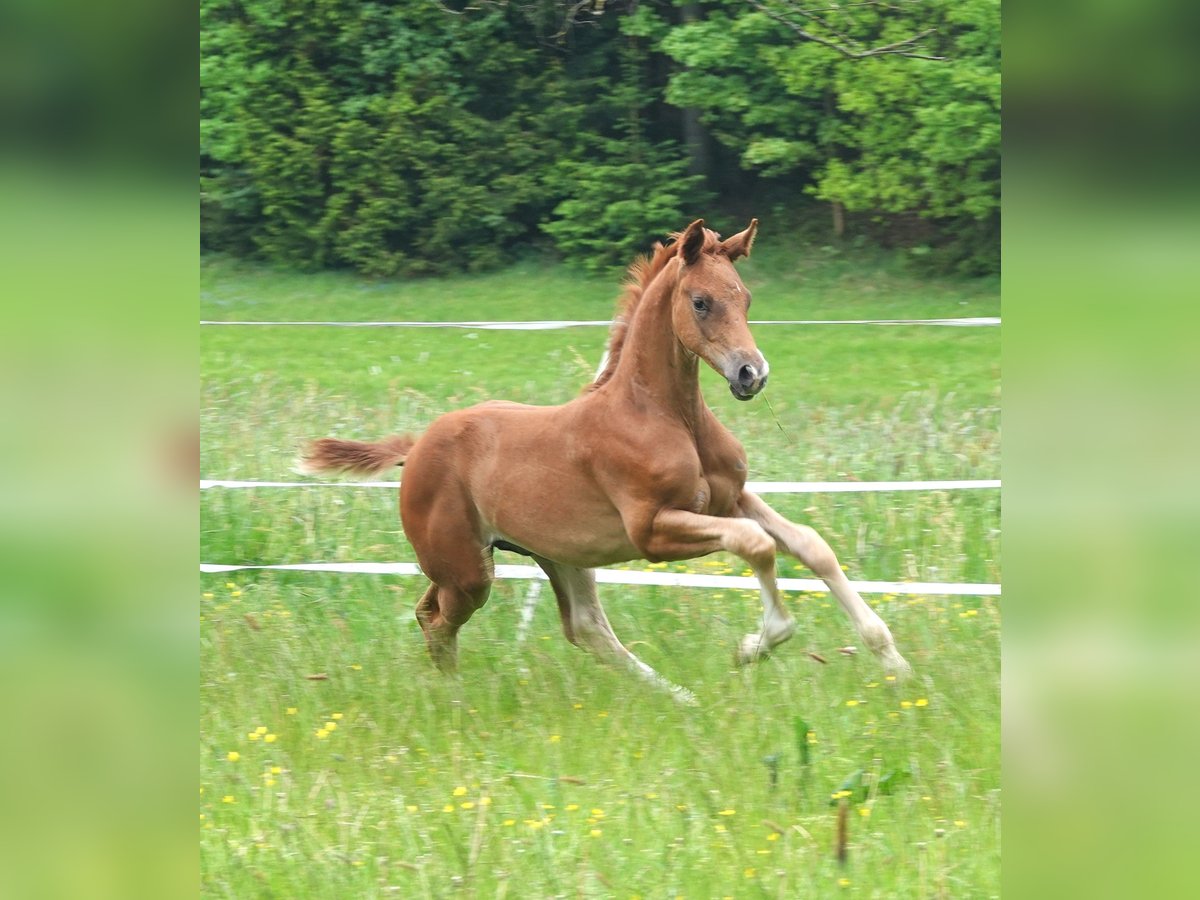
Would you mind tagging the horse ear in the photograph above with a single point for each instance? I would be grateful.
(739, 245)
(692, 242)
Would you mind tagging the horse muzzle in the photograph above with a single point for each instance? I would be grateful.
(747, 378)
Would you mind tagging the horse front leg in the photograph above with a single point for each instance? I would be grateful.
(678, 534)
(810, 548)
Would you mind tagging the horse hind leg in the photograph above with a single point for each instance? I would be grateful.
(448, 603)
(587, 627)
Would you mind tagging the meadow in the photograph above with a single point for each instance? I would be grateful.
(335, 762)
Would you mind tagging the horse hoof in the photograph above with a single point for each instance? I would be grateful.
(684, 696)
(750, 650)
(895, 664)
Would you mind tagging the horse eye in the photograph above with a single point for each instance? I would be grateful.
(699, 304)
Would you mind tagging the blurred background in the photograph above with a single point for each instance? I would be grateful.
(421, 138)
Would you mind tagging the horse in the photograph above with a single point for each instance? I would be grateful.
(635, 467)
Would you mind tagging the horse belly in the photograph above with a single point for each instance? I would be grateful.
(563, 522)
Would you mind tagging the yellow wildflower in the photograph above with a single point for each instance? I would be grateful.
(233, 756)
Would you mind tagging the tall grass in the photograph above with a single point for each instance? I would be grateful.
(357, 770)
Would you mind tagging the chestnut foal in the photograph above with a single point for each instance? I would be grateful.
(637, 467)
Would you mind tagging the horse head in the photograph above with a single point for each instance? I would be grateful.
(710, 304)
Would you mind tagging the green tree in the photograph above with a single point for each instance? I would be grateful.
(420, 137)
(886, 109)
(391, 138)
(627, 190)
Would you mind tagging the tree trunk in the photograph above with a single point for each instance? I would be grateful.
(839, 211)
(695, 138)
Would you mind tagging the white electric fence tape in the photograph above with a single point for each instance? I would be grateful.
(622, 576)
(552, 324)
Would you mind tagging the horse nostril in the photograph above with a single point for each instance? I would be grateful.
(746, 376)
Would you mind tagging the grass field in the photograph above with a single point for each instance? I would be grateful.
(539, 772)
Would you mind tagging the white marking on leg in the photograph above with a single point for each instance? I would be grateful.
(776, 626)
(593, 631)
(868, 624)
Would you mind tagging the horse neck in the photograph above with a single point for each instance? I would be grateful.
(654, 366)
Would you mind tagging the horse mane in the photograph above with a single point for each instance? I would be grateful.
(641, 274)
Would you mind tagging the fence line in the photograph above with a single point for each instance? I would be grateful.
(626, 577)
(758, 487)
(553, 324)
(621, 576)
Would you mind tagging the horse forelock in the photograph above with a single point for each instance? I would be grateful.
(642, 272)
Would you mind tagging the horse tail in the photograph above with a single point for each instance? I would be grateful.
(355, 457)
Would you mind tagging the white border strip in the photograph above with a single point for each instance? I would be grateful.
(619, 576)
(758, 487)
(552, 324)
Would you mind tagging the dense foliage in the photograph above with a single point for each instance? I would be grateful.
(409, 137)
